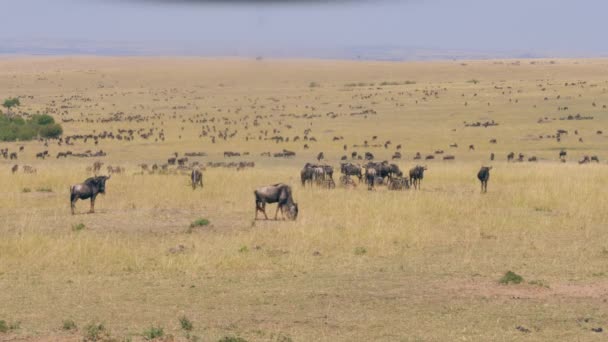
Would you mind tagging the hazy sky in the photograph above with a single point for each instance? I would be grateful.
(561, 26)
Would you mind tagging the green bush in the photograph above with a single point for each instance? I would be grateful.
(16, 128)
(201, 222)
(511, 278)
(51, 131)
(232, 339)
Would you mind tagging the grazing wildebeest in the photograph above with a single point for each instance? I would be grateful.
(90, 188)
(471, 147)
(510, 156)
(484, 175)
(196, 177)
(277, 193)
(595, 159)
(492, 156)
(416, 175)
(350, 169)
(15, 168)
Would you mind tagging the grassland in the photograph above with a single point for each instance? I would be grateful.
(357, 265)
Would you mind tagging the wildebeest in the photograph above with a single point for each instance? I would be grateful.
(307, 174)
(563, 154)
(196, 177)
(484, 175)
(416, 175)
(278, 193)
(350, 169)
(90, 188)
(15, 168)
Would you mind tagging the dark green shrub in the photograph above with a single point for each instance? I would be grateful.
(511, 278)
(232, 339)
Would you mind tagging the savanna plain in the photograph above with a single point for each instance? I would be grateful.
(159, 260)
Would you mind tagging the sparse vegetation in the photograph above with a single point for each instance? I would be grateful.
(78, 227)
(153, 333)
(232, 339)
(69, 325)
(96, 332)
(201, 222)
(360, 251)
(185, 323)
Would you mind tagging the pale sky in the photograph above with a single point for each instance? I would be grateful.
(554, 26)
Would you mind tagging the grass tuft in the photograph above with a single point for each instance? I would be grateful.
(185, 323)
(153, 332)
(69, 325)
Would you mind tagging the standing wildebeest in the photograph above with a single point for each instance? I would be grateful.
(307, 174)
(562, 155)
(15, 168)
(484, 175)
(277, 193)
(320, 156)
(89, 189)
(510, 156)
(196, 177)
(416, 175)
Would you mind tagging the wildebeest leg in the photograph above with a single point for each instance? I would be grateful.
(73, 200)
(92, 205)
(276, 213)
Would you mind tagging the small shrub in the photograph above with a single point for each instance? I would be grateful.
(511, 278)
(314, 85)
(69, 325)
(539, 283)
(201, 222)
(153, 332)
(360, 251)
(243, 249)
(26, 190)
(44, 189)
(474, 81)
(185, 323)
(78, 227)
(96, 332)
(232, 339)
(3, 326)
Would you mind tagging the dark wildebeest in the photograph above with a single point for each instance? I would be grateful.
(350, 169)
(89, 189)
(484, 175)
(307, 174)
(196, 177)
(563, 154)
(15, 168)
(320, 156)
(510, 156)
(277, 193)
(416, 175)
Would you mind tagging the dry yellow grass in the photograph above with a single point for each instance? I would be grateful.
(356, 265)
